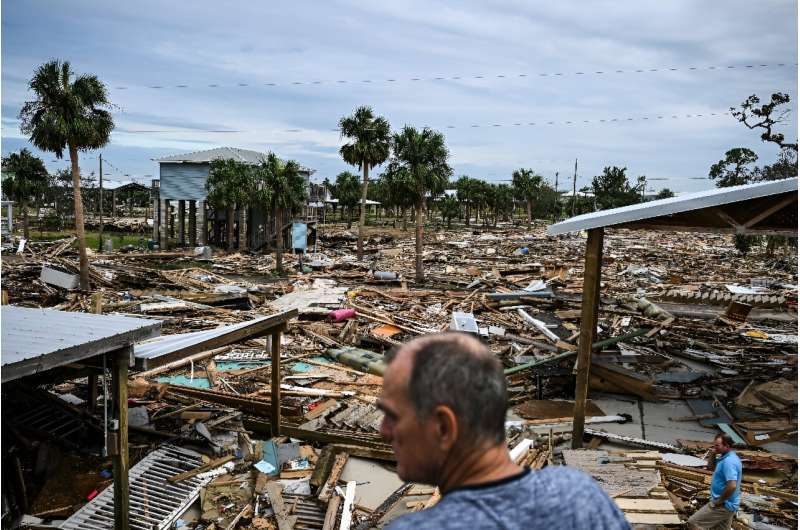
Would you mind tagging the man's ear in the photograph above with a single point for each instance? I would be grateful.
(446, 425)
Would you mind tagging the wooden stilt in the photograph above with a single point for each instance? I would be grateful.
(276, 382)
(182, 223)
(589, 306)
(120, 456)
(193, 223)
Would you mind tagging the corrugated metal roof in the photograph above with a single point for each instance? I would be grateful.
(222, 153)
(673, 205)
(162, 350)
(34, 340)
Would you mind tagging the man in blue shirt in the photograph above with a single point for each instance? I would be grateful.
(725, 487)
(444, 401)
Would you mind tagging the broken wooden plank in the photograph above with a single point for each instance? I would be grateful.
(201, 469)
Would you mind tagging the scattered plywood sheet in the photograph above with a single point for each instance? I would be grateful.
(320, 294)
(653, 518)
(613, 477)
(644, 505)
(535, 409)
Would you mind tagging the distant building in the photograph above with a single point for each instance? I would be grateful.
(182, 183)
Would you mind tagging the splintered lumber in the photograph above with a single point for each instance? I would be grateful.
(250, 405)
(520, 449)
(184, 362)
(275, 494)
(347, 508)
(331, 512)
(201, 469)
(333, 478)
(538, 324)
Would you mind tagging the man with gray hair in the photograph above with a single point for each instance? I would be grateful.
(444, 399)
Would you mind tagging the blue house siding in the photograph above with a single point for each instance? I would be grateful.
(183, 181)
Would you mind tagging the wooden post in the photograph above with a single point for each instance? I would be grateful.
(120, 457)
(276, 382)
(156, 220)
(203, 223)
(193, 223)
(589, 305)
(182, 223)
(164, 217)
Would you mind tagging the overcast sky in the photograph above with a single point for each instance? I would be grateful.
(283, 73)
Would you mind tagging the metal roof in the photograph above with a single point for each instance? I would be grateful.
(221, 153)
(691, 202)
(168, 348)
(34, 339)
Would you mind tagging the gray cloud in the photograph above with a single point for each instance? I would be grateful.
(150, 43)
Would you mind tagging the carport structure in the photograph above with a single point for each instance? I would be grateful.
(767, 208)
(45, 346)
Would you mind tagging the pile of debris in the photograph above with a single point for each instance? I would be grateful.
(692, 341)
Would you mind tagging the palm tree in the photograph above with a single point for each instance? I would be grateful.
(370, 141)
(27, 179)
(399, 194)
(423, 155)
(281, 186)
(347, 193)
(504, 201)
(68, 114)
(449, 207)
(229, 184)
(527, 184)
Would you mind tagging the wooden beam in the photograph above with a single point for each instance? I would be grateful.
(120, 361)
(276, 383)
(765, 231)
(589, 305)
(193, 223)
(722, 214)
(182, 222)
(214, 464)
(771, 210)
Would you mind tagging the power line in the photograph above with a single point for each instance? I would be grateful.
(506, 76)
(619, 119)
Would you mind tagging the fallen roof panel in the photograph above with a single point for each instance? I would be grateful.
(168, 348)
(673, 205)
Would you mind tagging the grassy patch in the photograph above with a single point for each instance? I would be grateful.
(119, 240)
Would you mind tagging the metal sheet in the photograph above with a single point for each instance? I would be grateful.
(673, 205)
(164, 349)
(36, 339)
(154, 502)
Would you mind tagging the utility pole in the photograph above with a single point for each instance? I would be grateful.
(574, 180)
(100, 242)
(557, 209)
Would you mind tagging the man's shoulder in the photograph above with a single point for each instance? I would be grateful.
(538, 498)
(732, 459)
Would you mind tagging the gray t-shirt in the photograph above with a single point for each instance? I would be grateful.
(557, 497)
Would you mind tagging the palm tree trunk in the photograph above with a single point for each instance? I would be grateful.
(349, 218)
(530, 217)
(76, 193)
(466, 222)
(405, 220)
(279, 240)
(362, 216)
(229, 222)
(420, 272)
(25, 232)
